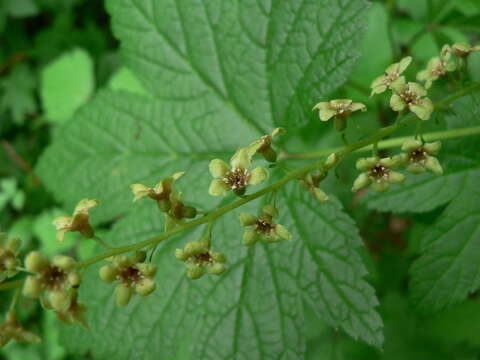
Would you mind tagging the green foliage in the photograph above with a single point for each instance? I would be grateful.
(195, 80)
(67, 83)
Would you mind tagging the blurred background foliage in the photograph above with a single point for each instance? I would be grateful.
(55, 54)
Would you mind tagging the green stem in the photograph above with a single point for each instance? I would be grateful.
(11, 285)
(391, 143)
(294, 174)
(102, 243)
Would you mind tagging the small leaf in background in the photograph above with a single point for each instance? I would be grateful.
(125, 79)
(21, 8)
(17, 93)
(46, 232)
(10, 193)
(67, 83)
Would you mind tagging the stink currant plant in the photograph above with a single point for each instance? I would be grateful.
(267, 228)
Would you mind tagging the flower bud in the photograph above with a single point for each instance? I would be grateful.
(181, 255)
(331, 161)
(123, 295)
(164, 205)
(146, 287)
(319, 195)
(188, 212)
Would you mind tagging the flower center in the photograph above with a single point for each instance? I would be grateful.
(379, 172)
(55, 277)
(237, 178)
(409, 96)
(391, 77)
(202, 259)
(264, 226)
(131, 275)
(418, 155)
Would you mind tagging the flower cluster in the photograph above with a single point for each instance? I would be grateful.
(416, 157)
(412, 96)
(312, 182)
(437, 67)
(79, 222)
(52, 280)
(133, 276)
(262, 227)
(341, 109)
(392, 74)
(200, 259)
(263, 146)
(378, 172)
(8, 257)
(169, 201)
(236, 176)
(11, 329)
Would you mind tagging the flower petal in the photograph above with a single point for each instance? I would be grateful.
(258, 175)
(218, 168)
(218, 187)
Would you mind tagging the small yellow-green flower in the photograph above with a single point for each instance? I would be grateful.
(463, 50)
(412, 96)
(75, 313)
(263, 146)
(311, 183)
(52, 279)
(378, 173)
(8, 257)
(235, 177)
(340, 108)
(79, 222)
(263, 228)
(392, 74)
(133, 275)
(418, 156)
(11, 329)
(199, 259)
(160, 192)
(437, 67)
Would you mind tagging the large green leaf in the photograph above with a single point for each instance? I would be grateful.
(265, 63)
(254, 310)
(449, 269)
(221, 74)
(122, 138)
